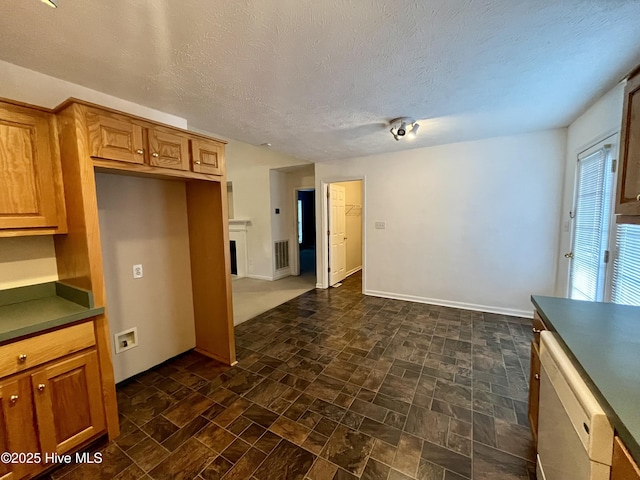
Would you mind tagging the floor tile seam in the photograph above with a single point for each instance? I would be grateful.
(504, 451)
(472, 374)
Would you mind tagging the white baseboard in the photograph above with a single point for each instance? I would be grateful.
(259, 277)
(319, 285)
(448, 303)
(285, 272)
(353, 270)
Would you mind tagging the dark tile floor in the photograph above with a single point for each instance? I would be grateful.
(335, 385)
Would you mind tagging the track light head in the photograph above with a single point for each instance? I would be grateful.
(399, 127)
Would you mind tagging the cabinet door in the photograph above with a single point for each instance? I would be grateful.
(68, 402)
(27, 189)
(115, 137)
(628, 193)
(17, 426)
(168, 149)
(534, 392)
(208, 157)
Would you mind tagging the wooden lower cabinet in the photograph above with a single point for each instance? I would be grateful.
(534, 391)
(51, 409)
(68, 402)
(623, 467)
(18, 432)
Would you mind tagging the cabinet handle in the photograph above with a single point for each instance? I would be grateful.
(140, 151)
(535, 330)
(13, 398)
(197, 162)
(638, 197)
(537, 376)
(22, 358)
(41, 387)
(155, 155)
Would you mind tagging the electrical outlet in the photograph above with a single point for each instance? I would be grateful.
(380, 225)
(137, 271)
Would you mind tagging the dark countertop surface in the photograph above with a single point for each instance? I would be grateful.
(36, 308)
(604, 341)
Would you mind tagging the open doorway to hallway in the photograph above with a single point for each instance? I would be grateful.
(306, 230)
(344, 216)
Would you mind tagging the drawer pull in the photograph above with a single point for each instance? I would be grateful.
(22, 357)
(537, 376)
(139, 151)
(13, 399)
(638, 197)
(41, 387)
(197, 162)
(535, 330)
(155, 155)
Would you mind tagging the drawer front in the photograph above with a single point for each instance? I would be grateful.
(23, 354)
(208, 157)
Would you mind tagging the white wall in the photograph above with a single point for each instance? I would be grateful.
(471, 225)
(27, 261)
(280, 222)
(602, 120)
(144, 221)
(248, 168)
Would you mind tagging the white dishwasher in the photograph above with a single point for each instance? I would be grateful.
(575, 438)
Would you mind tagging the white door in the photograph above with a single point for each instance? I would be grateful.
(337, 234)
(592, 218)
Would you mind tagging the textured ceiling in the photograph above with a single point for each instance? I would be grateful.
(320, 79)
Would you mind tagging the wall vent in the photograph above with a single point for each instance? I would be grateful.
(282, 254)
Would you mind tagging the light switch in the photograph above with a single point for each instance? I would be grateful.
(380, 225)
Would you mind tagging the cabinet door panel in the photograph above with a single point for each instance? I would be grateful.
(628, 194)
(208, 157)
(17, 425)
(114, 137)
(168, 149)
(68, 402)
(623, 466)
(27, 192)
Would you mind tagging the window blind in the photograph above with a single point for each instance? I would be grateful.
(592, 216)
(625, 284)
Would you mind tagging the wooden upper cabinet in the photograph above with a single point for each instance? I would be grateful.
(168, 149)
(30, 176)
(628, 193)
(207, 157)
(623, 467)
(115, 137)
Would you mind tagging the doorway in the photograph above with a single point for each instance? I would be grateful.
(345, 230)
(306, 231)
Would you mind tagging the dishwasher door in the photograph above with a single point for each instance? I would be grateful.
(575, 438)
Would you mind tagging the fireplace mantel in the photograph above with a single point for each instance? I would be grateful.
(238, 224)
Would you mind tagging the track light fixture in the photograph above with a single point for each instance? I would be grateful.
(51, 3)
(400, 128)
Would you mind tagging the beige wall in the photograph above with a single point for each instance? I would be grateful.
(353, 225)
(145, 221)
(27, 261)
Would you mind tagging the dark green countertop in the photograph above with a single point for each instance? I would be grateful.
(35, 308)
(604, 341)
